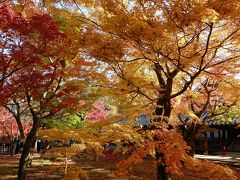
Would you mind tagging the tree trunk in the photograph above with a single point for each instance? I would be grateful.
(17, 115)
(163, 111)
(161, 170)
(192, 144)
(190, 138)
(20, 127)
(12, 148)
(28, 148)
(164, 108)
(66, 164)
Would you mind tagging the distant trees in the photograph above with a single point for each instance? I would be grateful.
(9, 127)
(205, 103)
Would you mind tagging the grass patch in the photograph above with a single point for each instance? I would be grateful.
(41, 162)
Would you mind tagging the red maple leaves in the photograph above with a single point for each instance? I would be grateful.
(8, 124)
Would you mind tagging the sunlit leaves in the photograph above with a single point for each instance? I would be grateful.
(145, 54)
(131, 36)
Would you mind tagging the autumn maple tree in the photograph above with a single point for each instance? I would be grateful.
(153, 51)
(44, 81)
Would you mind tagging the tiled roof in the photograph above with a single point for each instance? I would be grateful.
(214, 122)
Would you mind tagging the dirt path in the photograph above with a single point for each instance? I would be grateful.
(46, 169)
(103, 170)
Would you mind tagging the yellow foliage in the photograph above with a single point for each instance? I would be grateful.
(92, 138)
(131, 36)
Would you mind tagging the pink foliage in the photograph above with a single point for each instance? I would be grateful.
(98, 111)
(8, 124)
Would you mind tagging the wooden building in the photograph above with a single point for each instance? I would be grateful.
(212, 136)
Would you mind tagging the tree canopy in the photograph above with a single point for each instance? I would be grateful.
(147, 56)
(153, 51)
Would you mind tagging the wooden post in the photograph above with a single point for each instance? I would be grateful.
(206, 145)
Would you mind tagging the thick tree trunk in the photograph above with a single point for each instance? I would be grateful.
(161, 170)
(163, 111)
(20, 127)
(28, 148)
(164, 108)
